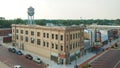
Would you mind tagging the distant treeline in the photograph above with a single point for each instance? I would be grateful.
(7, 23)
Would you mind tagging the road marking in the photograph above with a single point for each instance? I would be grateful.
(116, 64)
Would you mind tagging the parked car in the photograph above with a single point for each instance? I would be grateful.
(18, 66)
(28, 56)
(13, 50)
(19, 52)
(36, 59)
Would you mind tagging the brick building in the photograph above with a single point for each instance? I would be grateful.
(58, 43)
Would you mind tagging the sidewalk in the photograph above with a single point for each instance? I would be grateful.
(79, 61)
(2, 65)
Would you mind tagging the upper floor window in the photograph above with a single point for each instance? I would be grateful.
(44, 35)
(17, 31)
(26, 32)
(26, 39)
(73, 45)
(73, 36)
(52, 45)
(38, 33)
(52, 36)
(70, 46)
(76, 44)
(21, 37)
(56, 36)
(17, 37)
(66, 48)
(61, 37)
(76, 35)
(21, 31)
(47, 44)
(70, 36)
(67, 38)
(43, 43)
(32, 32)
(56, 46)
(38, 41)
(61, 48)
(47, 35)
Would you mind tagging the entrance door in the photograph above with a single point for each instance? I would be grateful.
(61, 61)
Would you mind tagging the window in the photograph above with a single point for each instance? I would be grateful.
(17, 37)
(56, 37)
(21, 31)
(67, 37)
(70, 46)
(13, 30)
(73, 36)
(26, 32)
(52, 45)
(61, 37)
(76, 44)
(38, 41)
(56, 46)
(47, 44)
(44, 35)
(61, 48)
(76, 35)
(66, 48)
(52, 36)
(32, 40)
(70, 36)
(17, 31)
(26, 39)
(21, 37)
(47, 35)
(32, 33)
(43, 43)
(73, 45)
(38, 33)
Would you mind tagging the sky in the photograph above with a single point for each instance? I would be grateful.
(61, 9)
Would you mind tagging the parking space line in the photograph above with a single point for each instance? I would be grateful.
(116, 64)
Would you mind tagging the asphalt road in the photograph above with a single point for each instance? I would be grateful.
(110, 59)
(12, 59)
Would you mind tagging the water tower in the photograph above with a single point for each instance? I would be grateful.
(31, 15)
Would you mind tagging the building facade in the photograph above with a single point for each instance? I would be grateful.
(5, 35)
(5, 31)
(61, 44)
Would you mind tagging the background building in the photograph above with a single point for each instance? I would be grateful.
(5, 35)
(61, 44)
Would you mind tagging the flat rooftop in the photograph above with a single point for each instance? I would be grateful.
(49, 27)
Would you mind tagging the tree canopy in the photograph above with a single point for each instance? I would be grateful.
(7, 23)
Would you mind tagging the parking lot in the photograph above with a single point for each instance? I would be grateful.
(12, 59)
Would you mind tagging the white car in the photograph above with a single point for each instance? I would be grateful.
(36, 59)
(18, 66)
